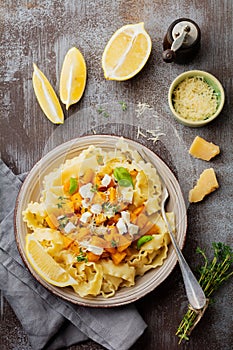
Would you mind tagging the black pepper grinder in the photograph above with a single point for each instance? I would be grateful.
(182, 41)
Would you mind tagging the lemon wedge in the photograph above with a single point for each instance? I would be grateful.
(47, 97)
(45, 265)
(73, 77)
(127, 52)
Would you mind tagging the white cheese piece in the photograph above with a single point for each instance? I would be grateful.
(133, 229)
(127, 194)
(85, 204)
(86, 192)
(85, 217)
(106, 180)
(69, 227)
(92, 248)
(126, 216)
(96, 208)
(121, 226)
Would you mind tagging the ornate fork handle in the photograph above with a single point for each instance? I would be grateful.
(195, 293)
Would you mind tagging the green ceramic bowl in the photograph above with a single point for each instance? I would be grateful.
(212, 81)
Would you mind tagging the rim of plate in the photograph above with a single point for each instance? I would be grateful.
(30, 190)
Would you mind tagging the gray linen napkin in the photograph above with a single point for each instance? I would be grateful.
(51, 322)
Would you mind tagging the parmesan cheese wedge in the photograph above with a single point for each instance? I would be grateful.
(203, 149)
(206, 184)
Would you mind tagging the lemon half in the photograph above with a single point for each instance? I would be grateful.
(127, 52)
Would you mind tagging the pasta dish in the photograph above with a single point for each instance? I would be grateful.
(99, 218)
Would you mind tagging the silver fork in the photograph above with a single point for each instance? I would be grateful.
(195, 293)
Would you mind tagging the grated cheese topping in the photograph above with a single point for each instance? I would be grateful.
(194, 99)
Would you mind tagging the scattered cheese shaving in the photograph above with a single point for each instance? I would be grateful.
(155, 135)
(141, 108)
(140, 133)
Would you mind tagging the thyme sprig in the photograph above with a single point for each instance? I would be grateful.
(212, 275)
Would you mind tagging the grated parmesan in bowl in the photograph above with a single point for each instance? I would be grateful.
(196, 98)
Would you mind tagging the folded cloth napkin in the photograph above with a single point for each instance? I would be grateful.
(51, 322)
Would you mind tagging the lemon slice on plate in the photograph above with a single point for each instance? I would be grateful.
(47, 97)
(127, 52)
(45, 265)
(73, 77)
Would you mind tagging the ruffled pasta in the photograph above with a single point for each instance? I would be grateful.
(90, 218)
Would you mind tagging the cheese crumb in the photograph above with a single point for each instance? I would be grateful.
(86, 192)
(106, 180)
(133, 229)
(121, 226)
(85, 217)
(69, 227)
(96, 208)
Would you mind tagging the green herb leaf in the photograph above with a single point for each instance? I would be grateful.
(73, 185)
(123, 177)
(94, 188)
(123, 105)
(82, 257)
(61, 203)
(100, 110)
(142, 240)
(113, 244)
(63, 222)
(100, 160)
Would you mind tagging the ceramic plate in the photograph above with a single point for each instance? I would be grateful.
(30, 191)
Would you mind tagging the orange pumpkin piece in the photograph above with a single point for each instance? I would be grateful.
(92, 257)
(138, 210)
(133, 173)
(110, 250)
(100, 218)
(66, 185)
(67, 241)
(74, 247)
(118, 257)
(114, 219)
(153, 230)
(112, 194)
(77, 200)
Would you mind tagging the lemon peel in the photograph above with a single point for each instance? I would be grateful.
(47, 97)
(45, 265)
